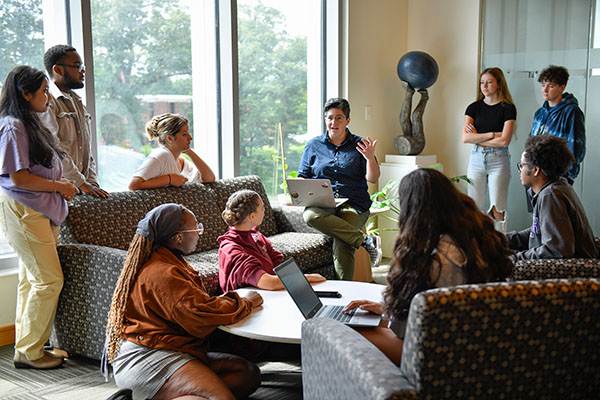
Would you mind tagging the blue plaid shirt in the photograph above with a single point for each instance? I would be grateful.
(343, 165)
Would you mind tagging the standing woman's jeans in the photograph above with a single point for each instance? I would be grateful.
(489, 168)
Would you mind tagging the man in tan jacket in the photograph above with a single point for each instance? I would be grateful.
(68, 119)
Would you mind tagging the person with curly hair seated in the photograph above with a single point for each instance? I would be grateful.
(443, 240)
(560, 228)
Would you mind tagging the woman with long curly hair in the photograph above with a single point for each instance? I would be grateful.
(161, 315)
(443, 240)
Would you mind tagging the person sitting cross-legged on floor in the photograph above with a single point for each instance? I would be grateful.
(443, 240)
(161, 315)
(560, 228)
(246, 257)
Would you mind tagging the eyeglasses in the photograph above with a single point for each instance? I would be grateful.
(80, 67)
(337, 118)
(520, 165)
(199, 229)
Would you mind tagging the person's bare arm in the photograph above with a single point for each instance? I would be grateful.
(501, 139)
(138, 183)
(28, 181)
(366, 305)
(207, 174)
(366, 147)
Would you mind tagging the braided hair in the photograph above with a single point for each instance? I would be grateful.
(165, 124)
(140, 250)
(239, 206)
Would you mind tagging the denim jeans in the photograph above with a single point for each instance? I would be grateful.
(489, 170)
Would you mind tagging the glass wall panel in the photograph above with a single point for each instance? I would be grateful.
(279, 77)
(522, 38)
(142, 65)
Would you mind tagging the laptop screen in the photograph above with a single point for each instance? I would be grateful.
(298, 287)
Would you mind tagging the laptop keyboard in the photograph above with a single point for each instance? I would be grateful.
(335, 312)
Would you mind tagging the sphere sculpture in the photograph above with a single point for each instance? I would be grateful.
(417, 70)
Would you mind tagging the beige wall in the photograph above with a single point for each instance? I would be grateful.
(377, 37)
(380, 32)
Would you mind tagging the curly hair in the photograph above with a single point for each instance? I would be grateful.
(550, 153)
(339, 103)
(503, 92)
(555, 74)
(55, 55)
(165, 124)
(25, 79)
(239, 206)
(430, 206)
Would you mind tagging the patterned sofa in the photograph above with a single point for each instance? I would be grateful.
(94, 239)
(517, 340)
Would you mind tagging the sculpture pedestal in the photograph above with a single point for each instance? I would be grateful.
(395, 168)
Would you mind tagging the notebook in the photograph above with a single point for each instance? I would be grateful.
(309, 303)
(313, 193)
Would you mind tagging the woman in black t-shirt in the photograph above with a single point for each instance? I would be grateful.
(489, 125)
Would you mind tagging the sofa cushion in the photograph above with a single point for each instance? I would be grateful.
(310, 250)
(520, 340)
(207, 265)
(112, 222)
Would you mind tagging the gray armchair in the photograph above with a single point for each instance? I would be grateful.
(503, 340)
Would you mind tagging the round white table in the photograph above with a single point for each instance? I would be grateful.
(280, 320)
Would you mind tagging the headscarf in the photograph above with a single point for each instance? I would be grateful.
(160, 224)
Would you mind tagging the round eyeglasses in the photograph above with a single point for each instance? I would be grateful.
(199, 229)
(520, 165)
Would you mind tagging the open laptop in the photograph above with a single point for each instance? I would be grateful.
(309, 303)
(312, 193)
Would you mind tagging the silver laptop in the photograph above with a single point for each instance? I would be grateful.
(309, 303)
(313, 193)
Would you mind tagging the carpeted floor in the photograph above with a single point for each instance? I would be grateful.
(80, 379)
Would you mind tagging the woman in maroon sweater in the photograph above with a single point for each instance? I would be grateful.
(246, 257)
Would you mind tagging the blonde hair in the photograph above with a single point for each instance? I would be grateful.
(239, 206)
(503, 92)
(165, 124)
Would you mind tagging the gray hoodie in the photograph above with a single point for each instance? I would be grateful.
(560, 228)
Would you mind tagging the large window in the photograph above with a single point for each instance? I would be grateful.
(279, 76)
(142, 67)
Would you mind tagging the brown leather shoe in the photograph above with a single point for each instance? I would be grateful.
(47, 361)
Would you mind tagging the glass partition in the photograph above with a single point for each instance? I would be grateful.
(522, 38)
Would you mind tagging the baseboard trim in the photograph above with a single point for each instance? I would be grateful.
(7, 335)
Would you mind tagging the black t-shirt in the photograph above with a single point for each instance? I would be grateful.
(490, 118)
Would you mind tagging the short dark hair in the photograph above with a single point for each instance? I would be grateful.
(55, 55)
(550, 153)
(339, 103)
(555, 74)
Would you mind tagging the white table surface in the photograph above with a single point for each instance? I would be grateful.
(280, 320)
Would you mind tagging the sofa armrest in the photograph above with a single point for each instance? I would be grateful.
(90, 275)
(560, 268)
(339, 363)
(289, 219)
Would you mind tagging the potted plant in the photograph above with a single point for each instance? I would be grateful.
(387, 198)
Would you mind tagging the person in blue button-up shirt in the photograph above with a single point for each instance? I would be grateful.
(348, 161)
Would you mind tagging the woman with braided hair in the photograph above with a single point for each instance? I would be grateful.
(246, 257)
(164, 166)
(161, 315)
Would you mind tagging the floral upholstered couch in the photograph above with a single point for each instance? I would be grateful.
(94, 239)
(515, 340)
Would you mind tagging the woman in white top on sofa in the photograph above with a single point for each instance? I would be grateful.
(165, 166)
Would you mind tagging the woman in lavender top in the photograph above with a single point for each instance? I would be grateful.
(33, 203)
